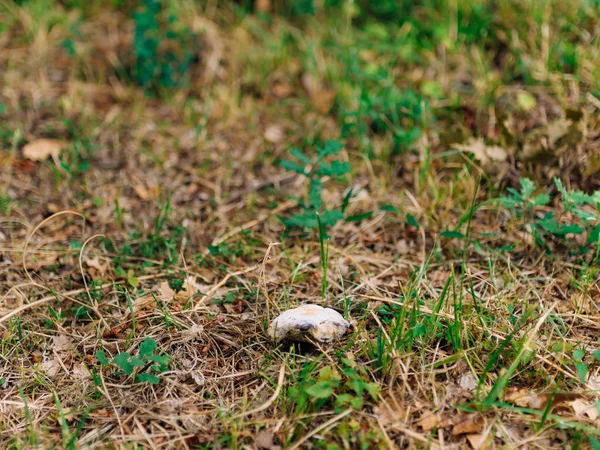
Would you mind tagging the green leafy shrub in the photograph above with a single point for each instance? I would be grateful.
(349, 388)
(163, 50)
(147, 359)
(315, 169)
(574, 219)
(381, 107)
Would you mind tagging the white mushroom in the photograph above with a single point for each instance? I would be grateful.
(309, 323)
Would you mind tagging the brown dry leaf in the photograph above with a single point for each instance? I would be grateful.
(323, 100)
(537, 401)
(80, 371)
(584, 408)
(428, 420)
(480, 441)
(143, 302)
(263, 5)
(40, 149)
(145, 194)
(25, 166)
(165, 292)
(385, 414)
(61, 343)
(592, 166)
(468, 382)
(468, 424)
(541, 143)
(51, 367)
(44, 260)
(141, 192)
(207, 275)
(274, 134)
(594, 380)
(264, 440)
(389, 411)
(97, 264)
(556, 130)
(445, 421)
(190, 287)
(491, 157)
(282, 89)
(525, 398)
(517, 397)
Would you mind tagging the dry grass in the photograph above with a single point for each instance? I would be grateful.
(436, 323)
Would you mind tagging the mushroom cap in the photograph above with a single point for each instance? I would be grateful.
(309, 323)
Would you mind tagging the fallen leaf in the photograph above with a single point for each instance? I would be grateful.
(480, 441)
(389, 411)
(594, 382)
(80, 371)
(166, 294)
(96, 264)
(385, 414)
(491, 157)
(445, 421)
(25, 166)
(61, 343)
(143, 302)
(526, 398)
(592, 166)
(517, 397)
(198, 377)
(40, 149)
(193, 332)
(584, 408)
(190, 287)
(468, 382)
(428, 420)
(274, 134)
(541, 143)
(323, 100)
(556, 130)
(51, 367)
(43, 260)
(263, 5)
(537, 401)
(468, 424)
(282, 89)
(264, 440)
(142, 192)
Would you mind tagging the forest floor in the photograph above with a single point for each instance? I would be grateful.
(160, 173)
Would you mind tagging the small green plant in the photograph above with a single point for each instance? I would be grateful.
(5, 200)
(146, 360)
(343, 390)
(163, 50)
(119, 212)
(156, 243)
(324, 256)
(69, 437)
(572, 220)
(162, 242)
(315, 169)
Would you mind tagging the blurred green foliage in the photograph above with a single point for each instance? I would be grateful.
(164, 51)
